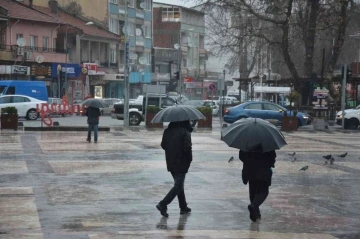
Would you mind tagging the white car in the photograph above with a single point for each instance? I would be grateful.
(25, 105)
(351, 118)
(214, 106)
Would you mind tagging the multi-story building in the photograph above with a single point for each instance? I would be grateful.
(112, 14)
(28, 44)
(179, 35)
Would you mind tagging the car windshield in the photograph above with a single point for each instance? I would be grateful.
(2, 88)
(209, 103)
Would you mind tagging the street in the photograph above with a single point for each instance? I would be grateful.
(56, 185)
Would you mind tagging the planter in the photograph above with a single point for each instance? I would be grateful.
(289, 123)
(149, 117)
(205, 123)
(9, 121)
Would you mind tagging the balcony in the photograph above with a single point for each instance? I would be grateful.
(29, 53)
(184, 49)
(202, 52)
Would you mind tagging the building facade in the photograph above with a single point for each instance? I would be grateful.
(28, 44)
(179, 43)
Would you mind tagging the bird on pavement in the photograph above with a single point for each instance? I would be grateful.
(304, 168)
(231, 159)
(327, 157)
(332, 161)
(342, 155)
(292, 154)
(293, 160)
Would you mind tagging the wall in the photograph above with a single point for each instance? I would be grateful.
(96, 10)
(166, 34)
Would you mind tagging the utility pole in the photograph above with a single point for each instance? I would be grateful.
(343, 95)
(126, 70)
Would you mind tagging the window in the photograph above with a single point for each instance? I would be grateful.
(113, 1)
(147, 31)
(148, 5)
(11, 90)
(171, 14)
(147, 57)
(20, 99)
(45, 43)
(271, 107)
(19, 35)
(201, 42)
(184, 62)
(113, 56)
(131, 3)
(255, 106)
(5, 100)
(114, 25)
(33, 42)
(54, 45)
(131, 28)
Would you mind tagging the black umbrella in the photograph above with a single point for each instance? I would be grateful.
(178, 113)
(249, 133)
(96, 103)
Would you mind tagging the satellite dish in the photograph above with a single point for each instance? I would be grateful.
(39, 59)
(143, 5)
(177, 46)
(142, 60)
(138, 32)
(128, 30)
(21, 42)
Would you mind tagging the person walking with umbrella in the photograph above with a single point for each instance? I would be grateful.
(257, 140)
(176, 142)
(93, 114)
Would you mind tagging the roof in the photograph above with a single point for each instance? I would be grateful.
(90, 30)
(21, 11)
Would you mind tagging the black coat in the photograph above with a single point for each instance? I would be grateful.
(93, 115)
(257, 165)
(176, 142)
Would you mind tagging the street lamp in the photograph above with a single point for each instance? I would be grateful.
(66, 52)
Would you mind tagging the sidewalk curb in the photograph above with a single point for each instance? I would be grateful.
(64, 128)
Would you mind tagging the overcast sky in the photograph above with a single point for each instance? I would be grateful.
(186, 3)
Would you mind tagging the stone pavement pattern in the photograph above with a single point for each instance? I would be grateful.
(56, 185)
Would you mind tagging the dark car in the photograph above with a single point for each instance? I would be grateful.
(263, 110)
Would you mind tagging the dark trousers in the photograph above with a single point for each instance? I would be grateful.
(94, 127)
(176, 190)
(259, 190)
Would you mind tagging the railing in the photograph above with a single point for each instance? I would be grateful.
(32, 48)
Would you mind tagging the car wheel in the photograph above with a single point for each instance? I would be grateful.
(193, 123)
(353, 124)
(134, 119)
(32, 114)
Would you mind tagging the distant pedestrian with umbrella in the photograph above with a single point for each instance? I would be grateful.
(257, 140)
(93, 115)
(176, 142)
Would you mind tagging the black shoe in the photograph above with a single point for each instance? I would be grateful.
(185, 210)
(89, 140)
(163, 210)
(95, 141)
(257, 212)
(252, 213)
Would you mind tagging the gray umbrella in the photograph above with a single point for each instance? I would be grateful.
(96, 103)
(178, 113)
(251, 132)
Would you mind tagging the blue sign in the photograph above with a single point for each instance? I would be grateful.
(72, 70)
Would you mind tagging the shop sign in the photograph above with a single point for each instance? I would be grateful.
(20, 70)
(40, 71)
(93, 69)
(72, 70)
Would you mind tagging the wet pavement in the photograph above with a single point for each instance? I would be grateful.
(56, 185)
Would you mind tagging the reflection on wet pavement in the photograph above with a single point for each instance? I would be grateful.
(56, 185)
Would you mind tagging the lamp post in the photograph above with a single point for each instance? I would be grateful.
(126, 68)
(66, 56)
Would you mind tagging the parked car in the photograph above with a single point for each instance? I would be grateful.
(136, 109)
(110, 102)
(263, 110)
(213, 104)
(35, 89)
(351, 118)
(83, 108)
(25, 105)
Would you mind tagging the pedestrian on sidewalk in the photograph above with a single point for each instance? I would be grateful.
(93, 115)
(257, 170)
(177, 144)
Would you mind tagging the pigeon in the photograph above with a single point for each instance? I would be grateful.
(231, 159)
(327, 157)
(292, 154)
(293, 160)
(332, 161)
(304, 168)
(342, 155)
(326, 162)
